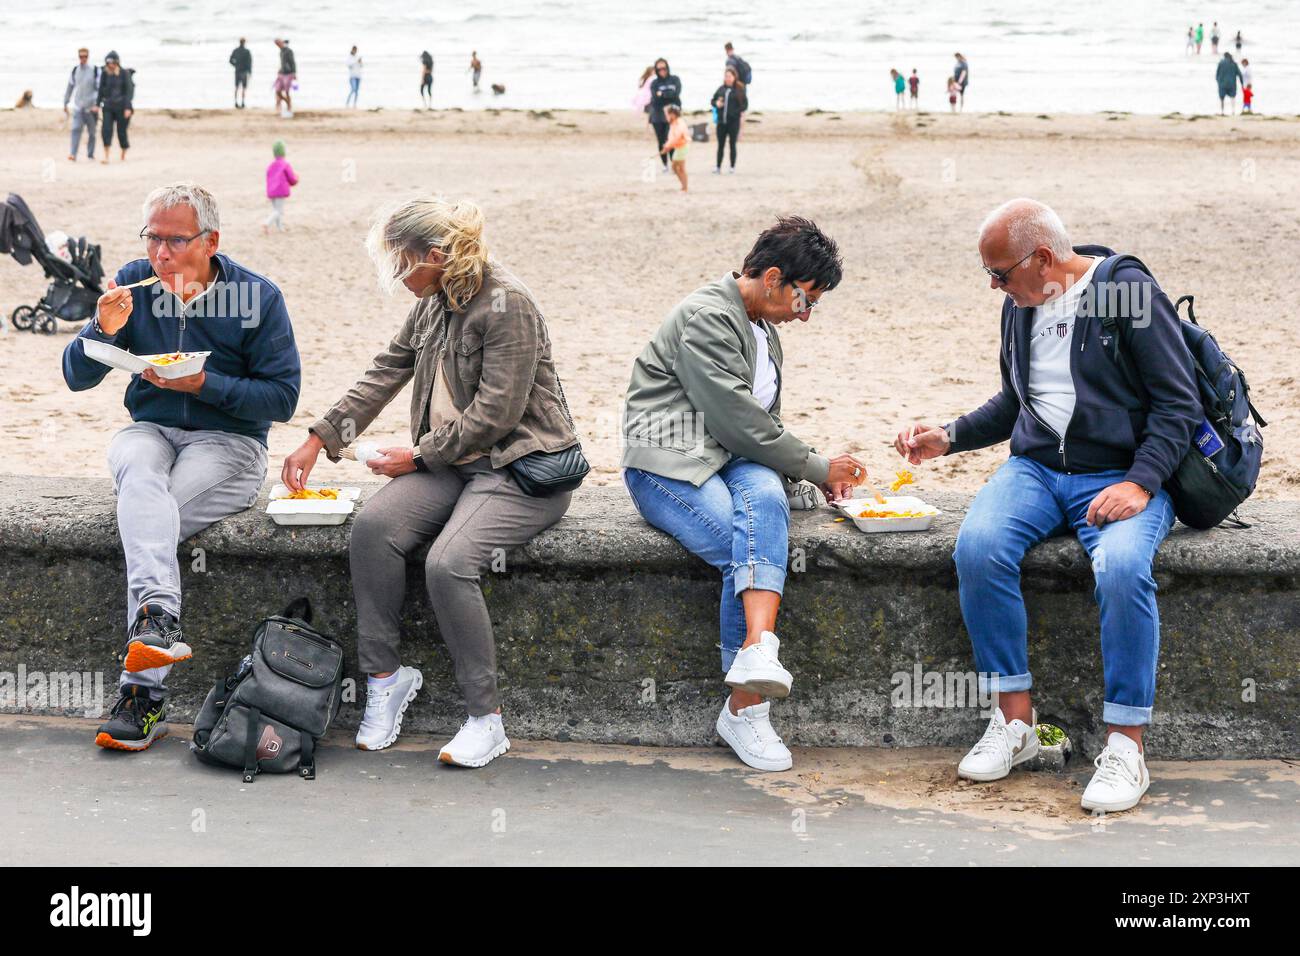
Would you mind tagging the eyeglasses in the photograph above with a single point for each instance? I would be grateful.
(175, 244)
(1001, 275)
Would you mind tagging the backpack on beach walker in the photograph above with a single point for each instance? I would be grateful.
(270, 712)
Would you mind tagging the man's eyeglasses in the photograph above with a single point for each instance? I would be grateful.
(1001, 276)
(175, 244)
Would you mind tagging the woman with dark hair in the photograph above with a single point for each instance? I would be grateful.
(665, 90)
(707, 459)
(116, 92)
(729, 102)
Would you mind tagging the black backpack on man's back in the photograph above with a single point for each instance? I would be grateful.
(270, 712)
(1221, 466)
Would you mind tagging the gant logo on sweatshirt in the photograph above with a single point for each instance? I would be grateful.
(76, 909)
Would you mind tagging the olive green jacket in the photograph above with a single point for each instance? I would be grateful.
(496, 356)
(690, 405)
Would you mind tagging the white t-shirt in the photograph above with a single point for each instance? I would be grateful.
(354, 65)
(1051, 329)
(765, 374)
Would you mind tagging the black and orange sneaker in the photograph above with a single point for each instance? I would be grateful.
(135, 721)
(155, 641)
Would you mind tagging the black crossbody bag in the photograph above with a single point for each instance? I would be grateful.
(542, 474)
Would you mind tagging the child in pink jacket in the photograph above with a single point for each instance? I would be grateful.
(279, 178)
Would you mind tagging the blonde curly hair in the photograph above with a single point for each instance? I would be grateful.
(403, 235)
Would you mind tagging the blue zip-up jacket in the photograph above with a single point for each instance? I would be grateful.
(253, 373)
(1111, 427)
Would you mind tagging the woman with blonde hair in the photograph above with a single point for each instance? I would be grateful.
(494, 459)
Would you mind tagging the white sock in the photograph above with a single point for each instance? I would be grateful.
(374, 681)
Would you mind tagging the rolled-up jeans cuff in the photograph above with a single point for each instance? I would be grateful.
(758, 576)
(995, 683)
(1125, 715)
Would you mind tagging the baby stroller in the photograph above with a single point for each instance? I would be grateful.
(74, 287)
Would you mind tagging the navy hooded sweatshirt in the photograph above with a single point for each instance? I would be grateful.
(1112, 427)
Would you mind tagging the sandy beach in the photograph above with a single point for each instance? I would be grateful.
(576, 206)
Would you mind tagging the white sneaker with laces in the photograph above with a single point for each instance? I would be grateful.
(479, 741)
(1001, 748)
(1121, 778)
(757, 670)
(749, 733)
(385, 705)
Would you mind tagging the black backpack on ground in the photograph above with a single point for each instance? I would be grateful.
(269, 714)
(1221, 466)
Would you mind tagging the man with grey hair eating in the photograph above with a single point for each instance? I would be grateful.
(1089, 456)
(195, 451)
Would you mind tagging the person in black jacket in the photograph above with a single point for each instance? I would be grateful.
(241, 58)
(116, 91)
(665, 89)
(730, 103)
(1088, 456)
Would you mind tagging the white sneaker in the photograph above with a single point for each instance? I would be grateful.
(385, 706)
(1121, 776)
(1001, 748)
(749, 733)
(479, 741)
(757, 670)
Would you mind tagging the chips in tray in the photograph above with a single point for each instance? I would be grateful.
(171, 358)
(313, 494)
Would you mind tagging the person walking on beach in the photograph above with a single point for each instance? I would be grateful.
(677, 142)
(426, 79)
(961, 73)
(952, 94)
(83, 94)
(1200, 37)
(641, 101)
(1227, 74)
(475, 68)
(241, 58)
(284, 80)
(354, 78)
(1191, 42)
(116, 91)
(195, 451)
(1238, 41)
(729, 105)
(707, 458)
(1247, 88)
(665, 90)
(914, 88)
(737, 62)
(485, 394)
(1214, 37)
(1091, 453)
(280, 178)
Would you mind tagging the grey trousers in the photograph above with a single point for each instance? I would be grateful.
(89, 121)
(469, 511)
(171, 484)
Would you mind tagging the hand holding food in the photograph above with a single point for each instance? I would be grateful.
(918, 443)
(114, 308)
(846, 472)
(299, 464)
(392, 462)
(186, 383)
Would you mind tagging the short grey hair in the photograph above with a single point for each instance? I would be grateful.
(1030, 224)
(185, 194)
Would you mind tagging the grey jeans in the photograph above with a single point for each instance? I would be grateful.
(469, 511)
(83, 119)
(171, 484)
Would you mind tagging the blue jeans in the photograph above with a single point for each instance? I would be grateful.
(354, 85)
(738, 521)
(1025, 503)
